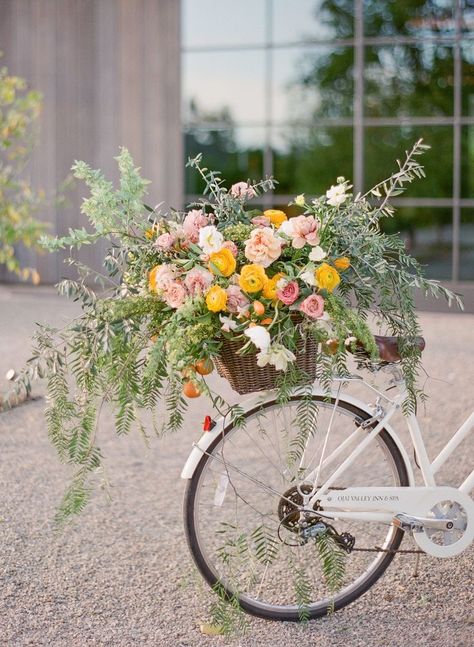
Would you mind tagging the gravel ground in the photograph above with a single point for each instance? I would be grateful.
(123, 576)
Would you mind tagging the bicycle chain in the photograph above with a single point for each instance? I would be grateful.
(389, 550)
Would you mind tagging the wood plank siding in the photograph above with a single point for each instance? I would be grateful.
(109, 71)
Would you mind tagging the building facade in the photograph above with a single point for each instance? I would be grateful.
(109, 71)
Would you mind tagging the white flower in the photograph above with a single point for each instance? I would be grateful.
(308, 277)
(259, 336)
(228, 323)
(350, 340)
(286, 228)
(325, 323)
(317, 254)
(299, 200)
(276, 355)
(336, 195)
(210, 240)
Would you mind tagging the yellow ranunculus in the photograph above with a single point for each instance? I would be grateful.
(342, 263)
(252, 278)
(152, 278)
(216, 298)
(270, 288)
(275, 216)
(224, 261)
(152, 232)
(327, 277)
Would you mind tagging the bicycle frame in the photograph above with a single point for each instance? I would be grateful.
(372, 504)
(364, 439)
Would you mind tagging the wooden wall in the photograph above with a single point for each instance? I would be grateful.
(110, 74)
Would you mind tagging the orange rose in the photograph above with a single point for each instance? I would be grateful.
(342, 263)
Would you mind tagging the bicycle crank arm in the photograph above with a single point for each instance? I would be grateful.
(417, 524)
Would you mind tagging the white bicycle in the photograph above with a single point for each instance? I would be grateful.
(259, 493)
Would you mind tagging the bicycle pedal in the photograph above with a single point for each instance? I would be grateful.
(407, 523)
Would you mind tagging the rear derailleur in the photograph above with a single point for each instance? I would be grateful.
(307, 524)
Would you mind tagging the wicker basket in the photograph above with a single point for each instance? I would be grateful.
(246, 377)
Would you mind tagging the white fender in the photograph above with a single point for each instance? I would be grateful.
(267, 396)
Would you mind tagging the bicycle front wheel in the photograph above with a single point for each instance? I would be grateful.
(240, 506)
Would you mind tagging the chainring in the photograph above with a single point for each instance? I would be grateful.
(448, 543)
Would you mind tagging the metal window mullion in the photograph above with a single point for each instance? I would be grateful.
(376, 41)
(358, 135)
(268, 152)
(437, 203)
(457, 145)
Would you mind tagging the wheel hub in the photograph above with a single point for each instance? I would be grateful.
(290, 508)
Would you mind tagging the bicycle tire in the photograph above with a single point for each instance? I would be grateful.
(319, 608)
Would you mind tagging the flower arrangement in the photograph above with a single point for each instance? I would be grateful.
(178, 285)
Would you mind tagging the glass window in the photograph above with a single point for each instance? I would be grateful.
(312, 19)
(236, 152)
(310, 159)
(467, 162)
(207, 23)
(401, 80)
(234, 81)
(384, 145)
(468, 79)
(428, 236)
(466, 251)
(312, 82)
(467, 24)
(413, 18)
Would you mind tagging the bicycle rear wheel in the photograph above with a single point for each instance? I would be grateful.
(237, 504)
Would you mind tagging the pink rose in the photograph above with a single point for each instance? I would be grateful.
(231, 246)
(198, 280)
(261, 221)
(242, 190)
(263, 247)
(164, 276)
(288, 293)
(305, 230)
(313, 306)
(237, 302)
(194, 221)
(165, 241)
(175, 295)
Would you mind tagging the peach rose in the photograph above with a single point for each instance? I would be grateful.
(305, 231)
(195, 220)
(165, 241)
(161, 277)
(242, 190)
(263, 247)
(175, 295)
(237, 302)
(198, 280)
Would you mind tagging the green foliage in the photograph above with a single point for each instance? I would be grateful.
(333, 562)
(226, 613)
(265, 546)
(303, 590)
(19, 202)
(306, 423)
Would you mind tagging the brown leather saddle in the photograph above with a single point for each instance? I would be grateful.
(388, 348)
